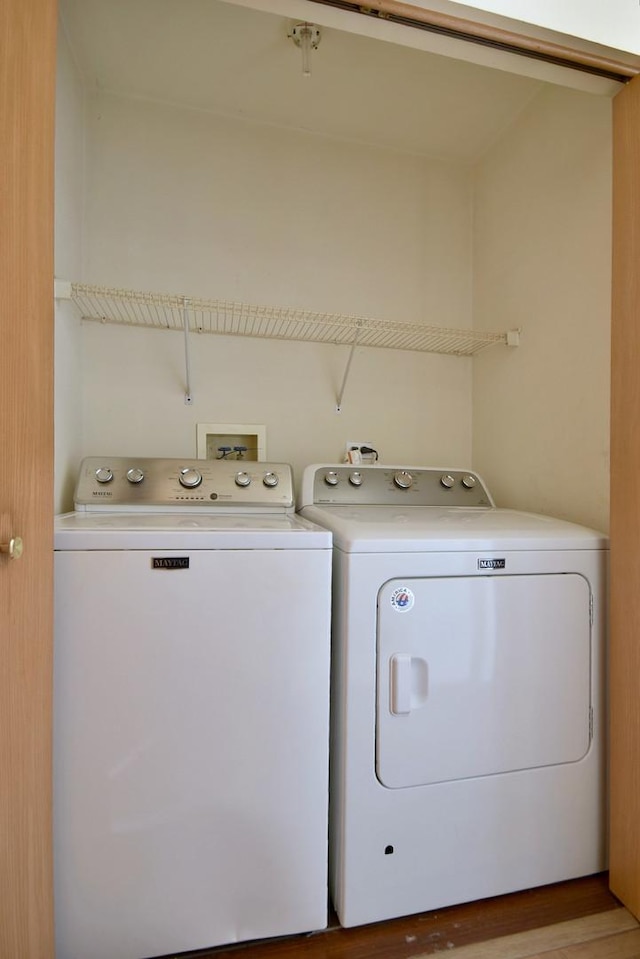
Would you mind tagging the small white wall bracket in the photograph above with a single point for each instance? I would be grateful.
(346, 372)
(188, 397)
(61, 289)
(513, 337)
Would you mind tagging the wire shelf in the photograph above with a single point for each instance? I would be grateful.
(165, 311)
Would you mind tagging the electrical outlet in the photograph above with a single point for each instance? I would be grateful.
(353, 452)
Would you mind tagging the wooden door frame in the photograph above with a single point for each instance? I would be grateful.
(27, 110)
(624, 646)
(27, 72)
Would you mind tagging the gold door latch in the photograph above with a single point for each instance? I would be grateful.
(13, 547)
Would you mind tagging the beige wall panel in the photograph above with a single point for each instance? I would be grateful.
(542, 263)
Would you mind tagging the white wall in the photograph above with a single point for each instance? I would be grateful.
(185, 202)
(542, 262)
(615, 23)
(69, 165)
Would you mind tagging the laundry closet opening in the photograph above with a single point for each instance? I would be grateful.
(195, 158)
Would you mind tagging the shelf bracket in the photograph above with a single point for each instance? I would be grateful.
(347, 369)
(188, 398)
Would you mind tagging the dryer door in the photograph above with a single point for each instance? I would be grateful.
(479, 675)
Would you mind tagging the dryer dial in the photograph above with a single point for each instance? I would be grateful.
(331, 478)
(403, 479)
(468, 481)
(135, 475)
(447, 481)
(355, 478)
(104, 475)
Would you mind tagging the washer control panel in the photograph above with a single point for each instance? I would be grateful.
(123, 483)
(393, 485)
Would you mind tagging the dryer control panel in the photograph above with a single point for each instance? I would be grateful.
(112, 482)
(382, 485)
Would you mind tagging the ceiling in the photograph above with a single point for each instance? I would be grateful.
(231, 60)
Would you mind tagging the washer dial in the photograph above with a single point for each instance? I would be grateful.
(270, 479)
(447, 481)
(468, 481)
(403, 479)
(135, 475)
(243, 478)
(189, 478)
(104, 475)
(331, 478)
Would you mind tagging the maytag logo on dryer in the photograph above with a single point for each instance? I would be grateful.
(170, 562)
(492, 564)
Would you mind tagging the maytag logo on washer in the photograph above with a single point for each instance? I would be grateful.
(170, 562)
(402, 599)
(492, 564)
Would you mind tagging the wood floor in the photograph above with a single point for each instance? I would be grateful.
(580, 919)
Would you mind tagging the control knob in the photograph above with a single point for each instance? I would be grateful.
(447, 481)
(104, 475)
(135, 475)
(403, 479)
(189, 478)
(468, 481)
(270, 479)
(243, 478)
(355, 478)
(331, 478)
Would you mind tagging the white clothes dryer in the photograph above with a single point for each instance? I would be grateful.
(468, 714)
(191, 709)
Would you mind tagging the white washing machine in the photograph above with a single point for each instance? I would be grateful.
(468, 717)
(191, 709)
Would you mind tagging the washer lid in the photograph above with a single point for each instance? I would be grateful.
(389, 529)
(186, 530)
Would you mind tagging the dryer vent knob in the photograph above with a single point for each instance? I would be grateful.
(331, 478)
(447, 481)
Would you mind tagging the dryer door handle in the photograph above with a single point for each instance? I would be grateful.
(408, 677)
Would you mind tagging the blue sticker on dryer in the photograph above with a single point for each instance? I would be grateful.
(402, 599)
